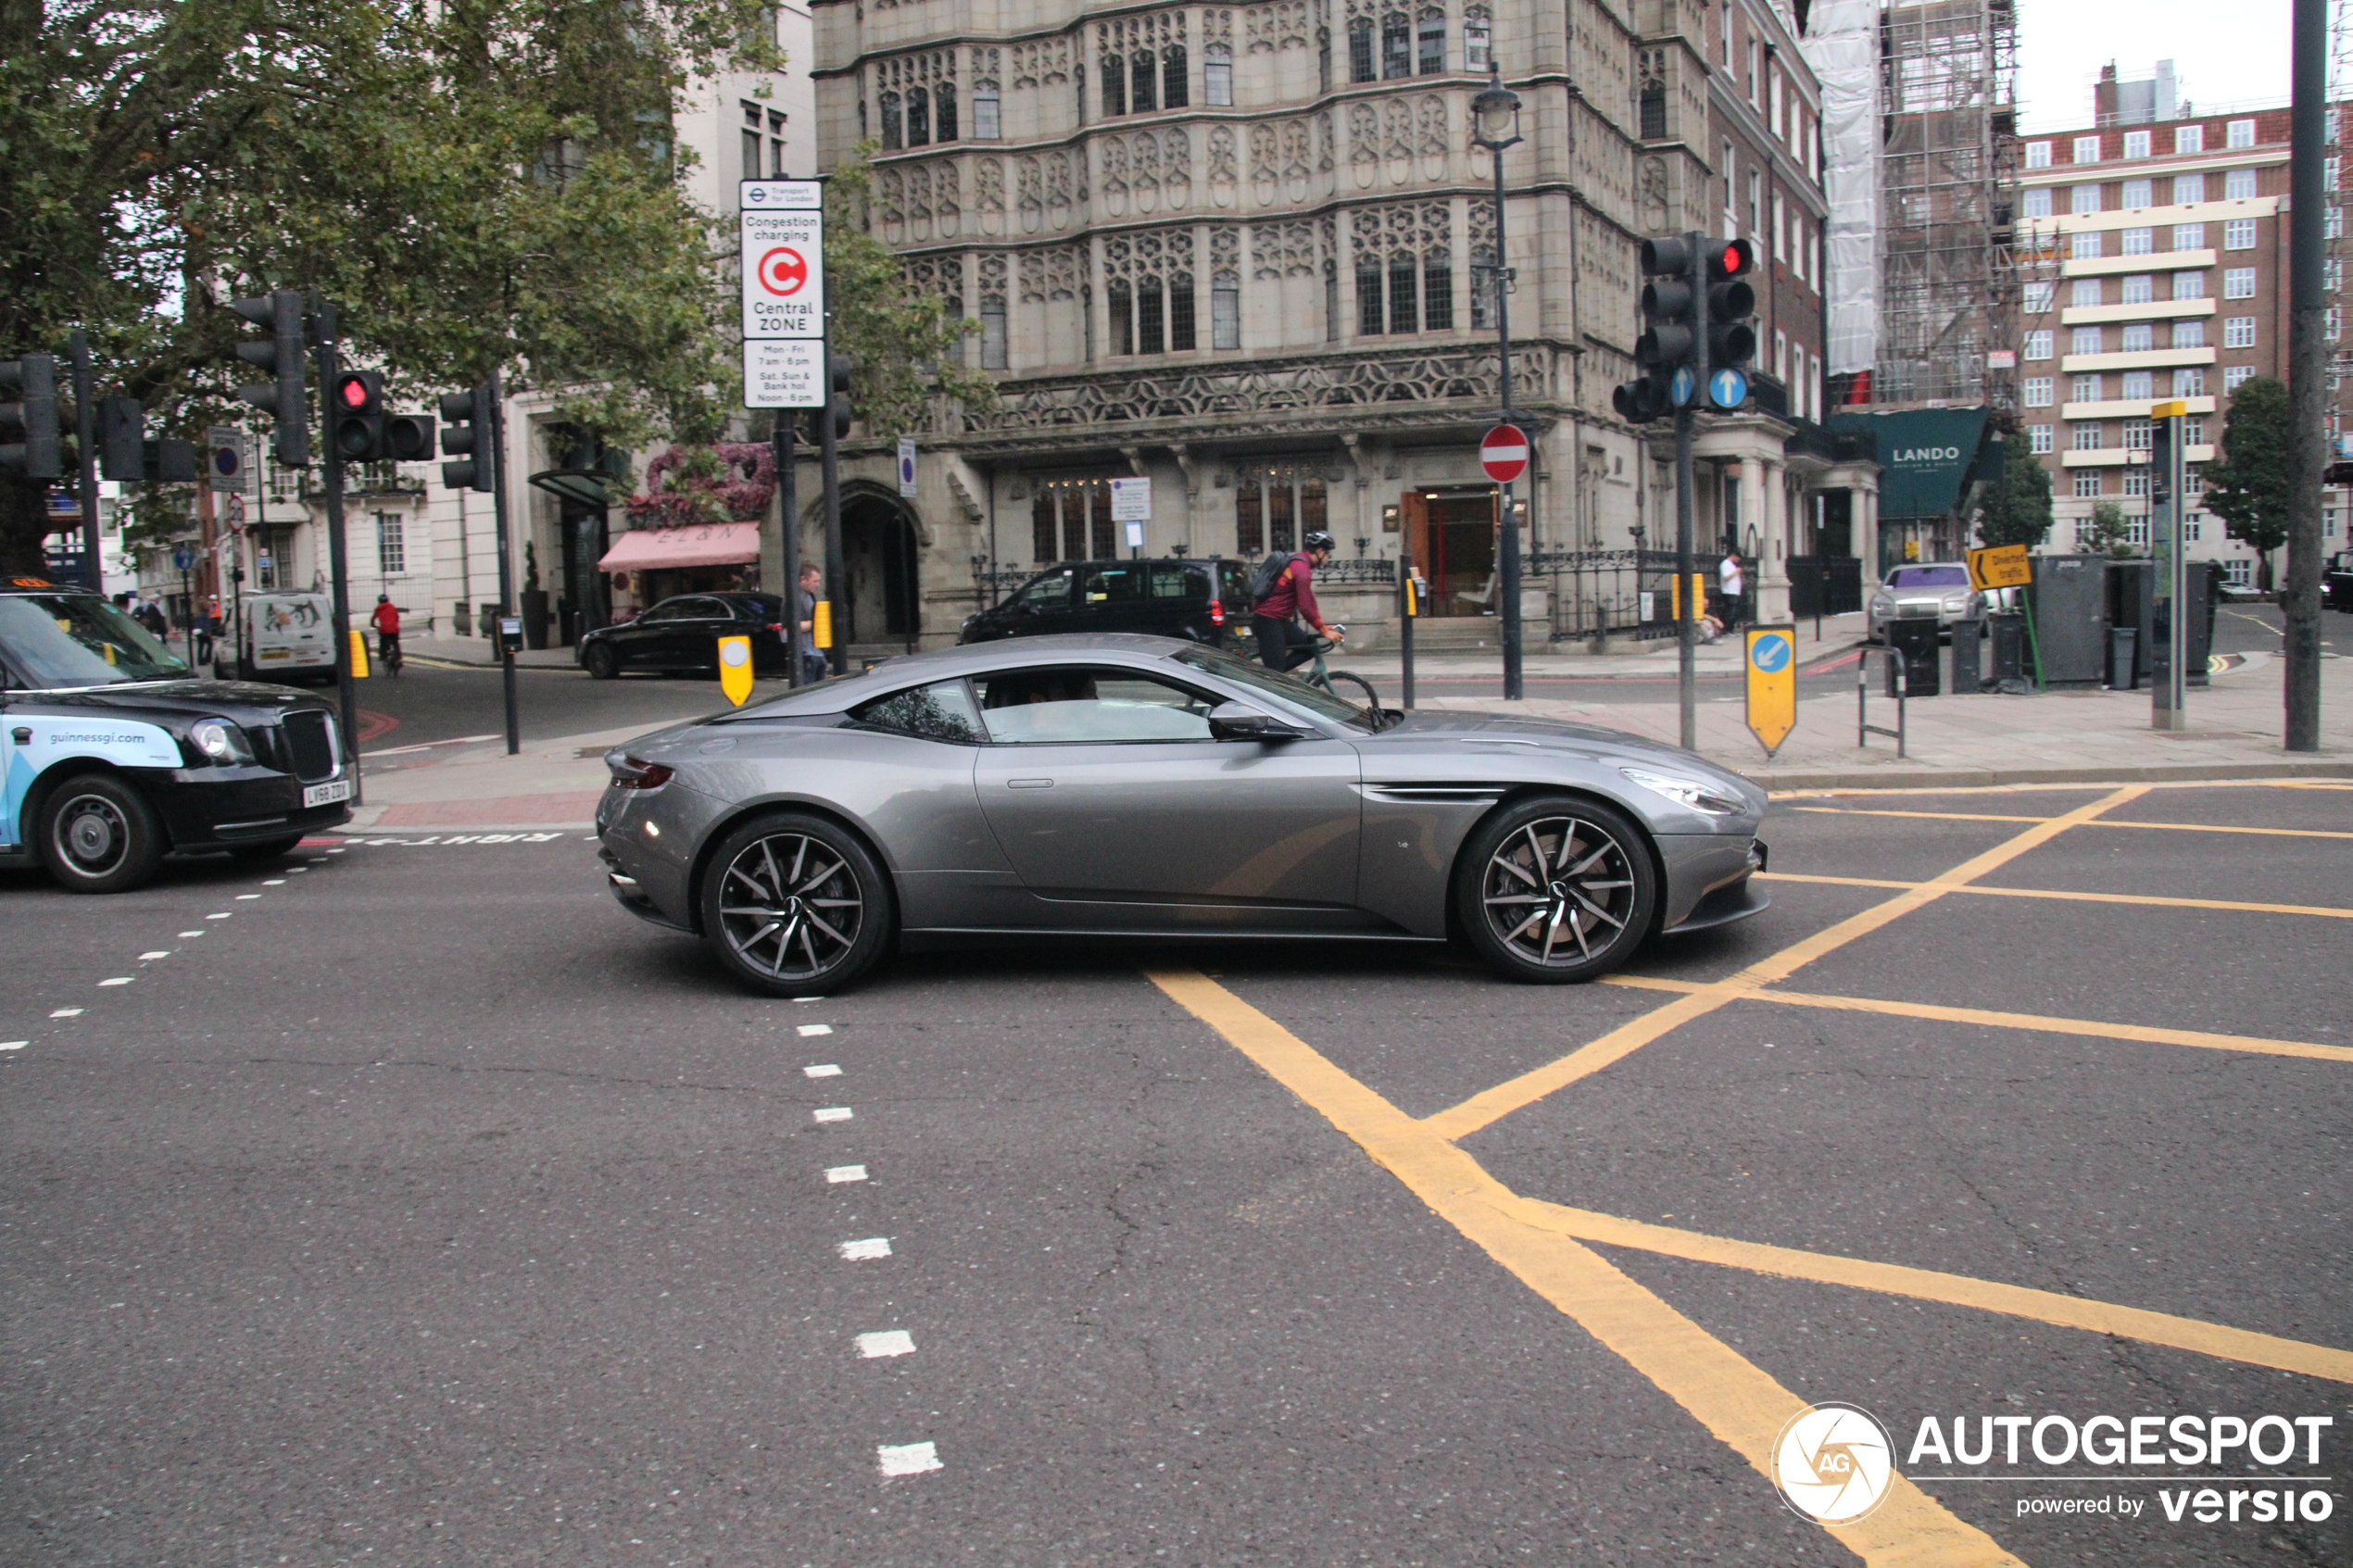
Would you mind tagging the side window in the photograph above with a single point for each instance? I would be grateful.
(1234, 580)
(942, 711)
(1113, 584)
(1070, 706)
(666, 610)
(1049, 593)
(1171, 581)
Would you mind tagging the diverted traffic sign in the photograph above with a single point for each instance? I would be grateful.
(1772, 668)
(1503, 452)
(2003, 566)
(783, 261)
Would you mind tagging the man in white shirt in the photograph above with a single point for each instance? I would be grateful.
(1727, 585)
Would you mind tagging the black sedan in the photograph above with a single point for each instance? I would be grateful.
(681, 635)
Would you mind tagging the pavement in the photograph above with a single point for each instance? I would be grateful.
(409, 1202)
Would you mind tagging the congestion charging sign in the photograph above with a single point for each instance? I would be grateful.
(784, 281)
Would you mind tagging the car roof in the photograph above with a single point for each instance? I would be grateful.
(43, 585)
(971, 658)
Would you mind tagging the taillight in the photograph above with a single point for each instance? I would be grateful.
(777, 627)
(1218, 612)
(635, 772)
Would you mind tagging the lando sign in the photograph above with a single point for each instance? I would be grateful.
(1927, 457)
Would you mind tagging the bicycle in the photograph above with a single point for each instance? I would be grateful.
(1342, 683)
(388, 652)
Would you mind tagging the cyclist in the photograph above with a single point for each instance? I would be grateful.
(386, 620)
(1282, 644)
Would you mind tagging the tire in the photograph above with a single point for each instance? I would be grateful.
(267, 849)
(1358, 690)
(783, 923)
(98, 835)
(599, 662)
(1541, 919)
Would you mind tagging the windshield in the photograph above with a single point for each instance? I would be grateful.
(58, 640)
(1287, 689)
(1929, 577)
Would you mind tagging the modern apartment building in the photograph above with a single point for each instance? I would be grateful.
(2154, 256)
(1249, 253)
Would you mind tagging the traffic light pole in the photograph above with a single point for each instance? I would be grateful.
(85, 438)
(1686, 544)
(338, 566)
(829, 460)
(1507, 565)
(496, 457)
(788, 506)
(2309, 395)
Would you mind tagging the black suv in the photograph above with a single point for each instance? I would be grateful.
(681, 634)
(1201, 601)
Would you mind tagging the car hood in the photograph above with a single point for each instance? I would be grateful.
(244, 702)
(1422, 727)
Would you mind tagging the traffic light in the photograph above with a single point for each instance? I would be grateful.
(281, 354)
(359, 423)
(467, 415)
(127, 455)
(1732, 341)
(408, 437)
(837, 368)
(30, 423)
(1670, 331)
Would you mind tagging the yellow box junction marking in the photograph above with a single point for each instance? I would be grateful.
(2153, 900)
(1989, 817)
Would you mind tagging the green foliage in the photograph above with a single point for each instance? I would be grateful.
(2017, 509)
(2248, 489)
(2109, 534)
(474, 184)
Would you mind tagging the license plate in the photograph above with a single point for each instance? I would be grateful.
(327, 794)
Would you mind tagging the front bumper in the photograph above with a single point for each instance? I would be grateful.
(209, 809)
(1708, 882)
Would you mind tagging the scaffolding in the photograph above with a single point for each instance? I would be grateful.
(1949, 278)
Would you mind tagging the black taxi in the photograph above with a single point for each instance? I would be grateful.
(113, 753)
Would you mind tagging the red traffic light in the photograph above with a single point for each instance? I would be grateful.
(361, 392)
(1733, 258)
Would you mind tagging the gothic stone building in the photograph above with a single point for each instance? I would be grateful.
(1246, 251)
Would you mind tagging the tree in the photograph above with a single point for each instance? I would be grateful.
(2018, 506)
(2248, 489)
(476, 183)
(2108, 534)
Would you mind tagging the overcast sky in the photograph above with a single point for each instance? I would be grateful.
(2226, 53)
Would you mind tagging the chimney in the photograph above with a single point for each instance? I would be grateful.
(2104, 96)
(2169, 101)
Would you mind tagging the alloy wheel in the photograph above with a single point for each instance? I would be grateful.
(789, 906)
(92, 835)
(1558, 891)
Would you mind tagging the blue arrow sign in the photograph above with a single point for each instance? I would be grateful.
(1770, 651)
(1679, 389)
(183, 558)
(1728, 388)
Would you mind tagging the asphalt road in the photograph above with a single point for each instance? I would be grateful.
(413, 1204)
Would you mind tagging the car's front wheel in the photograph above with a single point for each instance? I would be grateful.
(98, 835)
(1556, 889)
(794, 906)
(599, 661)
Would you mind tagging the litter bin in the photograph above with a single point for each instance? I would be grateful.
(2123, 643)
(1914, 639)
(2008, 638)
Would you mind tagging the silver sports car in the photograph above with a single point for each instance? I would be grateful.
(1139, 786)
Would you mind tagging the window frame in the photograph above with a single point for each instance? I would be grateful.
(1096, 672)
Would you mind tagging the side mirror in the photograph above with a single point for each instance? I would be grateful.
(1234, 721)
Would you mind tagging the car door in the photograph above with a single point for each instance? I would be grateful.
(691, 641)
(1111, 596)
(638, 643)
(1177, 598)
(1120, 812)
(1043, 606)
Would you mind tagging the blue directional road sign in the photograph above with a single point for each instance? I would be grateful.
(183, 558)
(1728, 388)
(1679, 389)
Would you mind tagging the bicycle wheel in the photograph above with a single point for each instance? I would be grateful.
(1355, 689)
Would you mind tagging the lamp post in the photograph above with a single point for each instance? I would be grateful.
(1494, 126)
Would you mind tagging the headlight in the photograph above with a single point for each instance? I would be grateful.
(1883, 601)
(1955, 603)
(220, 740)
(1689, 793)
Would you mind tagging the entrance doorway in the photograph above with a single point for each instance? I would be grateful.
(1452, 539)
(882, 600)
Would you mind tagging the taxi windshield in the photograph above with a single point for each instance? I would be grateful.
(58, 640)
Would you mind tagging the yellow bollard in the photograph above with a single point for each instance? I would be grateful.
(359, 656)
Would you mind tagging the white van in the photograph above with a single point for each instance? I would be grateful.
(286, 637)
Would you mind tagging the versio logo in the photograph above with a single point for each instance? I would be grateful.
(1834, 1463)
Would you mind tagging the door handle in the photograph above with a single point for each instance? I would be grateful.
(1030, 784)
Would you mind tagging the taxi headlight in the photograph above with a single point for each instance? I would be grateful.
(220, 740)
(1690, 793)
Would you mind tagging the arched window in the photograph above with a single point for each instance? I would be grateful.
(1482, 266)
(1479, 52)
(1653, 110)
(918, 117)
(1123, 320)
(1150, 326)
(1437, 291)
(943, 106)
(1226, 310)
(1141, 82)
(1332, 300)
(1176, 87)
(891, 139)
(1181, 312)
(1401, 314)
(1360, 49)
(1115, 85)
(984, 112)
(992, 331)
(1368, 295)
(1430, 39)
(1396, 45)
(1217, 74)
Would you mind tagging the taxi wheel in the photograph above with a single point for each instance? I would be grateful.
(99, 835)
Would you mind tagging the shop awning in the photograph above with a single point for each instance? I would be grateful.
(710, 544)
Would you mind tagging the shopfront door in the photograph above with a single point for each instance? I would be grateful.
(1452, 539)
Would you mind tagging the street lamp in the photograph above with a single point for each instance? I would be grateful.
(1494, 126)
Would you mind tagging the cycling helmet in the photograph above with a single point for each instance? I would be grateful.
(1319, 540)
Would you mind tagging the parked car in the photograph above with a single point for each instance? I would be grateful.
(115, 753)
(1937, 588)
(283, 636)
(681, 634)
(1145, 787)
(2336, 583)
(1201, 601)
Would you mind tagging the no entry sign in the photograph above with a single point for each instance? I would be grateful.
(1503, 452)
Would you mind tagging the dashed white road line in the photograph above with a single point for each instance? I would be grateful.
(275, 882)
(244, 897)
(889, 1342)
(808, 1030)
(833, 1113)
(873, 1246)
(118, 980)
(821, 1070)
(222, 915)
(906, 1458)
(159, 953)
(14, 1045)
(67, 1012)
(192, 934)
(845, 1172)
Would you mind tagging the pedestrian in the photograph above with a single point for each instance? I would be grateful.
(813, 667)
(1729, 586)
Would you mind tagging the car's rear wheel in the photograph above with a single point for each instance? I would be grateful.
(794, 906)
(98, 835)
(1556, 889)
(600, 662)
